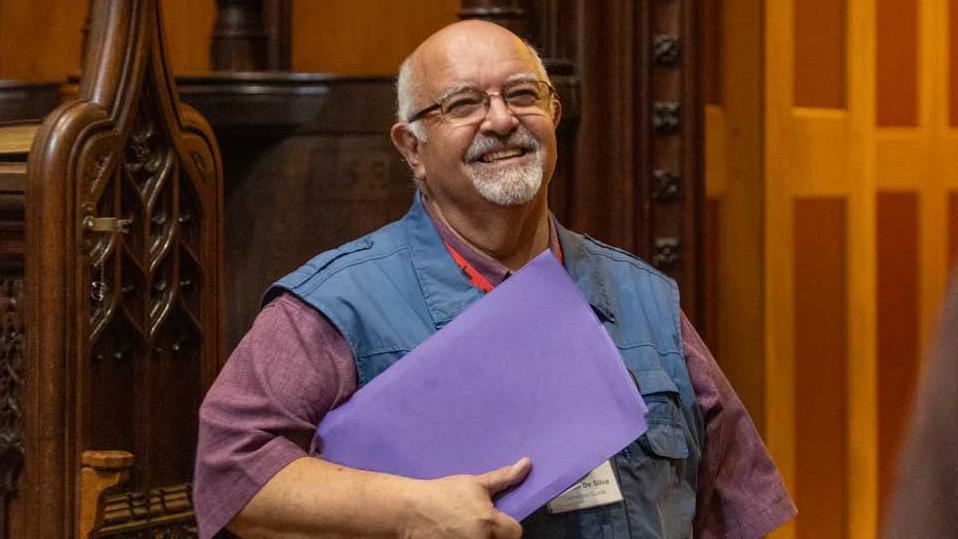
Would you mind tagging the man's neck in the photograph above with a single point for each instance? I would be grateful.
(512, 235)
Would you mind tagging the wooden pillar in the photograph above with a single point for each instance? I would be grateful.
(239, 41)
(252, 35)
(513, 14)
(278, 23)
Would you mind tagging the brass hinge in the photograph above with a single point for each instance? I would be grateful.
(110, 225)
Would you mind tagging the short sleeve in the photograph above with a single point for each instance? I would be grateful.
(740, 493)
(261, 412)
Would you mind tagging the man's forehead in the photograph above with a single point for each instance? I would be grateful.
(469, 35)
(469, 53)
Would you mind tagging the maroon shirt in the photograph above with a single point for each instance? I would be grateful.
(294, 366)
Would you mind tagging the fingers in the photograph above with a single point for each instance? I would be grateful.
(505, 477)
(506, 527)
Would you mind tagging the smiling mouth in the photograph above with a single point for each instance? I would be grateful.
(501, 155)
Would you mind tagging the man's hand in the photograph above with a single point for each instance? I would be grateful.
(314, 498)
(461, 506)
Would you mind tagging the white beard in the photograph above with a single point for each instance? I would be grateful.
(510, 187)
(514, 185)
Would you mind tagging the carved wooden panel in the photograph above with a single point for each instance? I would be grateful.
(123, 272)
(161, 513)
(670, 168)
(14, 142)
(11, 386)
(145, 280)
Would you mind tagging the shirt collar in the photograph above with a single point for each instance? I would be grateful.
(447, 293)
(490, 268)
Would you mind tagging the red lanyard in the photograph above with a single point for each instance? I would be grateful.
(475, 278)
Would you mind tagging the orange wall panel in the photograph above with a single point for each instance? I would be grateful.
(363, 37)
(820, 53)
(821, 351)
(953, 60)
(188, 25)
(897, 63)
(712, 208)
(952, 230)
(898, 311)
(40, 39)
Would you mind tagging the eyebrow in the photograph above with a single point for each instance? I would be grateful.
(455, 89)
(518, 77)
(523, 77)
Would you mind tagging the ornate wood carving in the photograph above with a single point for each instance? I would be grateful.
(11, 385)
(668, 34)
(666, 253)
(161, 512)
(14, 142)
(101, 472)
(666, 118)
(629, 167)
(164, 512)
(666, 185)
(123, 271)
(666, 49)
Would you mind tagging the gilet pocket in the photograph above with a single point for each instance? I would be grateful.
(665, 420)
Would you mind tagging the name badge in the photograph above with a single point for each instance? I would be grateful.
(597, 488)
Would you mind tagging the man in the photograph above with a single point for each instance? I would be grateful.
(924, 501)
(477, 120)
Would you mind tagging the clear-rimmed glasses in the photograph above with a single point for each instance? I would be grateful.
(463, 106)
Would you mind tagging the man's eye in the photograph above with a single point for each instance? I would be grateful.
(461, 105)
(525, 96)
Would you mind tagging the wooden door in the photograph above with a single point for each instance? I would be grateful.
(844, 180)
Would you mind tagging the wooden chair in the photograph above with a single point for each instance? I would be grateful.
(111, 328)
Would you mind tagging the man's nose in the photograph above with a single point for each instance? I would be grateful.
(499, 117)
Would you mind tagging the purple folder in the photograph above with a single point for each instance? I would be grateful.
(526, 371)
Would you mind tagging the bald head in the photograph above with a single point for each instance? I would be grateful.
(442, 50)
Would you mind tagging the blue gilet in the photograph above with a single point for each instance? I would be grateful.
(390, 290)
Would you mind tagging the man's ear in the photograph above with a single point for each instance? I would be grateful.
(408, 145)
(556, 111)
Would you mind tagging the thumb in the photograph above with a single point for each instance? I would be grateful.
(505, 477)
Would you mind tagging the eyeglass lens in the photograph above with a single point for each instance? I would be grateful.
(522, 98)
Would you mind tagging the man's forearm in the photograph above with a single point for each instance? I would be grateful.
(314, 498)
(311, 497)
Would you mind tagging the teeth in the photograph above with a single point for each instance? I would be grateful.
(495, 156)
